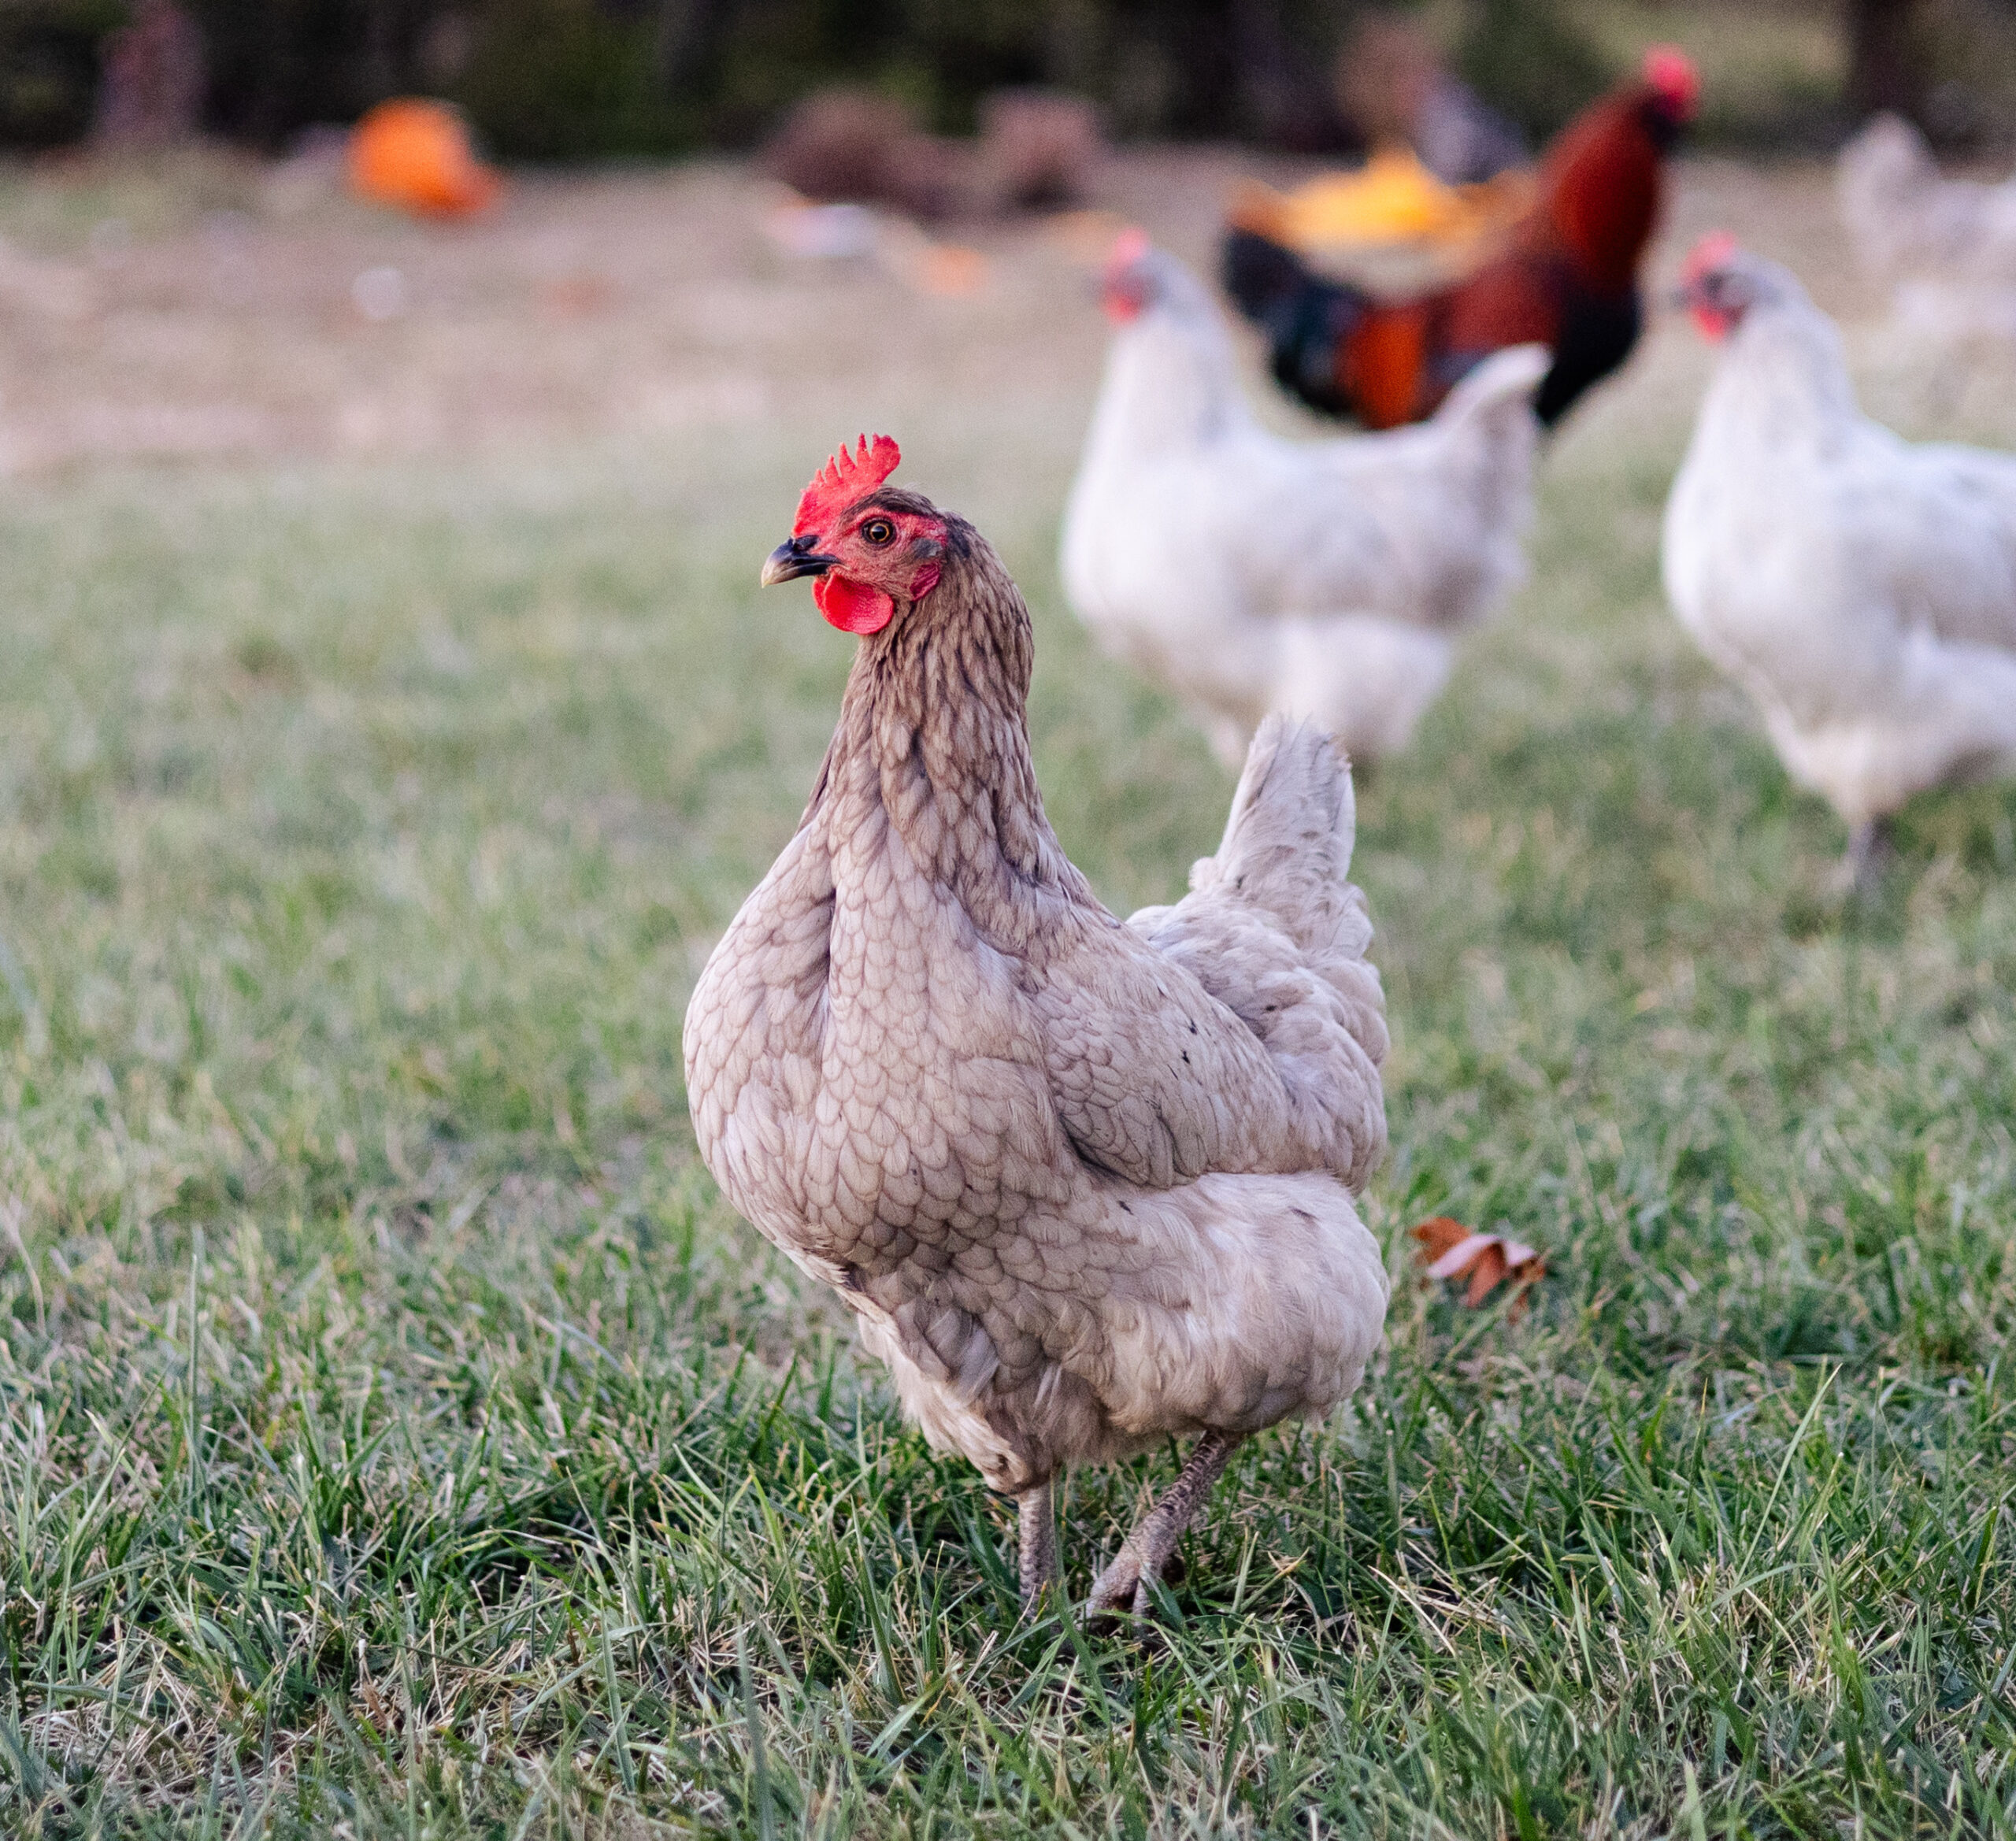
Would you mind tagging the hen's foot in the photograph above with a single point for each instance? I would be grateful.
(1147, 1551)
(1038, 1534)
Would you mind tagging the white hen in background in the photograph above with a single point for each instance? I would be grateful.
(1943, 249)
(1907, 219)
(1861, 588)
(1325, 579)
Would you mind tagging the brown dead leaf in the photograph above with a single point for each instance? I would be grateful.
(1451, 1250)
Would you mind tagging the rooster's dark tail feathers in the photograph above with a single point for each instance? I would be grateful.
(1305, 317)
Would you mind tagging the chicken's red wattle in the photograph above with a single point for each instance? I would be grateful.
(851, 607)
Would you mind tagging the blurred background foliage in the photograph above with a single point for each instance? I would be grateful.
(49, 66)
(550, 79)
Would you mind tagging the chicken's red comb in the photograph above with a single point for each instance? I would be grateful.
(1709, 254)
(1670, 75)
(844, 478)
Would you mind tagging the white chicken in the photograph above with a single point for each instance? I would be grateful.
(1861, 588)
(1943, 249)
(1906, 219)
(1250, 573)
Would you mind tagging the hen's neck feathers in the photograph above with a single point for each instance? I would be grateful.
(1600, 187)
(1172, 384)
(1784, 378)
(934, 732)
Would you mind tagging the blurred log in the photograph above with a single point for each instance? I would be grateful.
(1039, 148)
(853, 146)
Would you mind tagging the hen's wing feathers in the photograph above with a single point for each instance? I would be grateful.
(1153, 1080)
(1240, 1029)
(1938, 525)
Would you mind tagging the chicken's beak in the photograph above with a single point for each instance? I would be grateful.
(794, 558)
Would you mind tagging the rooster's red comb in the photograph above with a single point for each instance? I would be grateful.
(844, 478)
(1670, 74)
(1709, 254)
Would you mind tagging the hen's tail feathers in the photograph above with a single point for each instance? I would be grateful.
(1272, 930)
(1286, 848)
(1488, 419)
(1506, 376)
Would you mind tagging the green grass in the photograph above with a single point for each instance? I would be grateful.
(399, 1436)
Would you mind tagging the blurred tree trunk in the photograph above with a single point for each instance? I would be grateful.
(680, 41)
(1282, 94)
(1882, 71)
(381, 66)
(1266, 74)
(151, 93)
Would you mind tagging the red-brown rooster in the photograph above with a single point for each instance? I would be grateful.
(1568, 278)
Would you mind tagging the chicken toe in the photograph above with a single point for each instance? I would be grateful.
(1148, 1549)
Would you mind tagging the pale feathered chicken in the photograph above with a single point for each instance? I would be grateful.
(1907, 219)
(1087, 1184)
(1862, 588)
(1326, 578)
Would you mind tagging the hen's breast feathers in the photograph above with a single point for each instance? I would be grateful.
(755, 1032)
(1240, 1030)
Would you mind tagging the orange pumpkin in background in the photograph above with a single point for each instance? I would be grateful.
(416, 155)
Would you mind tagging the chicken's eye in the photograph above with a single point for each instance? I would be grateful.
(878, 531)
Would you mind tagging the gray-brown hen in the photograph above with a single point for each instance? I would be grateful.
(1086, 1183)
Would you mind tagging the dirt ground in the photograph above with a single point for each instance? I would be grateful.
(219, 310)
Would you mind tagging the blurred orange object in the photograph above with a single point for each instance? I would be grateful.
(1342, 222)
(416, 155)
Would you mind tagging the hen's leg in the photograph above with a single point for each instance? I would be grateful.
(1039, 1543)
(1150, 1547)
(1869, 854)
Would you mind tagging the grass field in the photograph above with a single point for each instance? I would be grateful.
(399, 1437)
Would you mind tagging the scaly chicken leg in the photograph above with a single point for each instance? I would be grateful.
(1146, 1550)
(1039, 1543)
(1870, 852)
